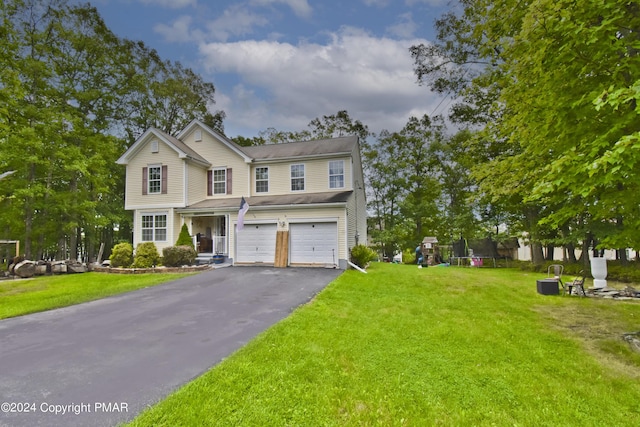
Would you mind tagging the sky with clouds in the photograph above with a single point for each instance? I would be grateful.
(282, 63)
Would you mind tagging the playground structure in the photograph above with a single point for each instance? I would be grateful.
(430, 251)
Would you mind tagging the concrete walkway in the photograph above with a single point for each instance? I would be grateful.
(103, 362)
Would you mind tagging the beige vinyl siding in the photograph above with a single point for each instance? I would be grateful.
(220, 156)
(165, 156)
(316, 176)
(361, 211)
(297, 215)
(197, 187)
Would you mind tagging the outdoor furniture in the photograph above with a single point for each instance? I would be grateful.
(577, 283)
(547, 286)
(555, 271)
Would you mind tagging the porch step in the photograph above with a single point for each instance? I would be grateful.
(209, 259)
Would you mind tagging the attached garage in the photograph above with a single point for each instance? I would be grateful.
(256, 243)
(314, 243)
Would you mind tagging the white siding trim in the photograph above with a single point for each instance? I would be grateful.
(152, 206)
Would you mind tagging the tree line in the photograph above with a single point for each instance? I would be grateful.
(551, 88)
(73, 97)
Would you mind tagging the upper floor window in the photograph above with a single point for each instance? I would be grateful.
(154, 228)
(297, 177)
(336, 174)
(219, 181)
(262, 180)
(154, 179)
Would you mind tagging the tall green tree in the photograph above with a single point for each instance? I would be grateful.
(76, 96)
(547, 69)
(403, 174)
(331, 126)
(567, 55)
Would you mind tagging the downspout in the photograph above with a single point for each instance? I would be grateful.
(185, 178)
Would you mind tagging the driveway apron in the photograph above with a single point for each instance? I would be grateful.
(101, 363)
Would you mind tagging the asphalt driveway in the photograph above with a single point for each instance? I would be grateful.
(102, 362)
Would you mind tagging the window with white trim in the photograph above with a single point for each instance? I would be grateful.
(219, 181)
(262, 180)
(336, 174)
(297, 177)
(154, 179)
(154, 228)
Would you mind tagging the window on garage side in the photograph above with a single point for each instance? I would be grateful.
(154, 228)
(336, 174)
(297, 177)
(262, 180)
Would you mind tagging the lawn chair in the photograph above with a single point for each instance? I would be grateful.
(576, 284)
(554, 271)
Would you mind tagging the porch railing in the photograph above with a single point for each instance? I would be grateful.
(218, 244)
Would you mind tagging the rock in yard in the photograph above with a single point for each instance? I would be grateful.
(25, 269)
(76, 268)
(58, 267)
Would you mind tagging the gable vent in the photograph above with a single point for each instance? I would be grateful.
(198, 135)
(155, 147)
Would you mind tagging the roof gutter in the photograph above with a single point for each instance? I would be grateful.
(209, 211)
(300, 158)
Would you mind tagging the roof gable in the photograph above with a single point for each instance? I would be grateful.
(182, 149)
(223, 139)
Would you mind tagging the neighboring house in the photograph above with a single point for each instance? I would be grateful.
(312, 192)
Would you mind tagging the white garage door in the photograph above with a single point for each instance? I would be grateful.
(314, 243)
(256, 243)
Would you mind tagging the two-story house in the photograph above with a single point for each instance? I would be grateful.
(310, 194)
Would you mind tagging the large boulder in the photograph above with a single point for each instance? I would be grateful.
(76, 267)
(25, 269)
(58, 267)
(42, 268)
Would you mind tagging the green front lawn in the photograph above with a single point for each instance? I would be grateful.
(18, 297)
(435, 346)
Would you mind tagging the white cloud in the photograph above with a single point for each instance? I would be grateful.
(171, 4)
(372, 78)
(405, 28)
(178, 31)
(378, 3)
(237, 20)
(300, 7)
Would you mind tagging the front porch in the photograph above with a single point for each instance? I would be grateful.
(209, 234)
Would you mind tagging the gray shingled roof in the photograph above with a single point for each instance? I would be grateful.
(283, 200)
(342, 145)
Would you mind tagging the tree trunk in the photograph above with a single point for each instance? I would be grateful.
(537, 256)
(585, 252)
(28, 215)
(571, 252)
(73, 233)
(622, 256)
(550, 252)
